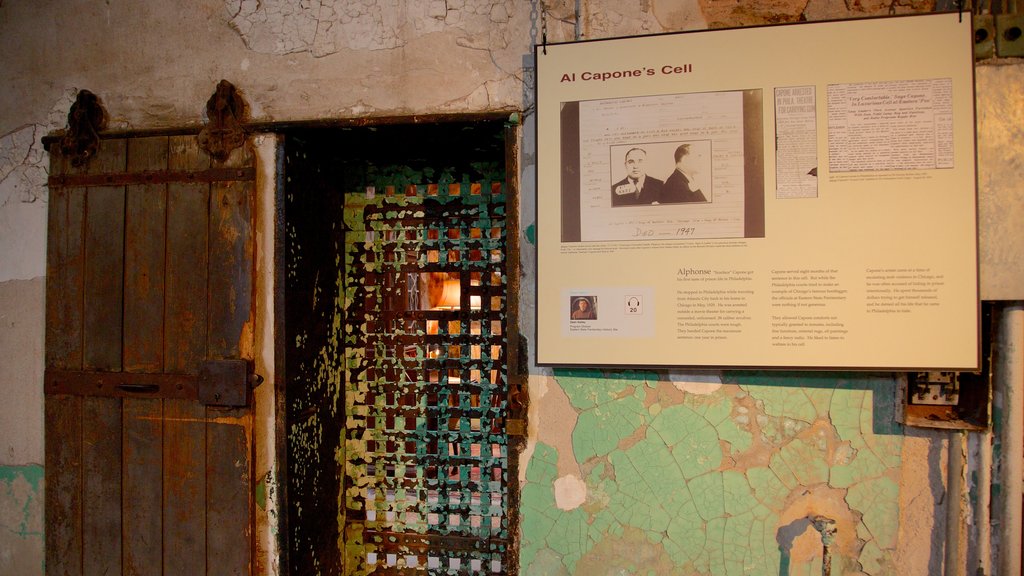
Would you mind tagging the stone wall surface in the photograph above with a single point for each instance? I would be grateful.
(632, 472)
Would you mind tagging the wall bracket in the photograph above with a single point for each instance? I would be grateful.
(225, 112)
(85, 120)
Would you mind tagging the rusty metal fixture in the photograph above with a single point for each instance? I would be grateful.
(218, 383)
(85, 120)
(207, 176)
(827, 528)
(225, 112)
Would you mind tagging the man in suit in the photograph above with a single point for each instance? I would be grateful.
(637, 187)
(679, 186)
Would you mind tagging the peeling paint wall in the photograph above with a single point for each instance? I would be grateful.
(21, 418)
(624, 472)
(21, 519)
(649, 471)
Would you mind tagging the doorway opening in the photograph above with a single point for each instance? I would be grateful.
(396, 262)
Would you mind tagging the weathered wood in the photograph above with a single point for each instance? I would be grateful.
(229, 504)
(229, 488)
(184, 499)
(143, 486)
(231, 256)
(104, 266)
(145, 244)
(145, 234)
(104, 263)
(187, 262)
(63, 465)
(63, 414)
(64, 264)
(101, 486)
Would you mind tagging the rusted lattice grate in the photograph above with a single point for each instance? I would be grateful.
(425, 487)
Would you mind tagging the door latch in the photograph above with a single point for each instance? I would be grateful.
(226, 382)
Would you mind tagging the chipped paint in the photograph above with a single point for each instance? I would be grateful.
(764, 426)
(702, 384)
(419, 394)
(23, 195)
(21, 519)
(570, 492)
(719, 482)
(330, 26)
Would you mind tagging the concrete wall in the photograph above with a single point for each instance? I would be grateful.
(625, 472)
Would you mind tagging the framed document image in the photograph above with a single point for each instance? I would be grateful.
(796, 196)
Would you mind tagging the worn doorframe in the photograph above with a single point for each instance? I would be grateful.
(516, 377)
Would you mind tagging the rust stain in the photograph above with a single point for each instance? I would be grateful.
(247, 339)
(245, 422)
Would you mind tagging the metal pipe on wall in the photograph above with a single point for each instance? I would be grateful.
(1009, 372)
(955, 564)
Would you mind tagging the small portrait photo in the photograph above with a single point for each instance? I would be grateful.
(583, 308)
(661, 173)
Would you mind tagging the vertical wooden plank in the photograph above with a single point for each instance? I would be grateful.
(101, 486)
(145, 233)
(143, 486)
(184, 498)
(229, 501)
(101, 350)
(229, 433)
(187, 262)
(63, 414)
(104, 263)
(231, 256)
(63, 467)
(65, 257)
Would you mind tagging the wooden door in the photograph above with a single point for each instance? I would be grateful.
(149, 276)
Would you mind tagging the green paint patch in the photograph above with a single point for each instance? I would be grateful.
(21, 500)
(31, 473)
(663, 496)
(599, 430)
(878, 501)
(785, 401)
(767, 488)
(589, 388)
(531, 234)
(693, 441)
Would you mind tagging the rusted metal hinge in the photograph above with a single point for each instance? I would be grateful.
(218, 383)
(515, 427)
(86, 119)
(226, 113)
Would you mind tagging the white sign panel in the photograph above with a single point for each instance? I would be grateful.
(798, 196)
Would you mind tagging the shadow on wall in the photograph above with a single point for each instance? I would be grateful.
(785, 536)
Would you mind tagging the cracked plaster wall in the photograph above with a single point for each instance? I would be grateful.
(625, 472)
(648, 472)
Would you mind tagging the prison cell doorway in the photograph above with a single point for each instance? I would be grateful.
(395, 262)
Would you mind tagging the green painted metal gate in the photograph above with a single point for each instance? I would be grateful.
(426, 470)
